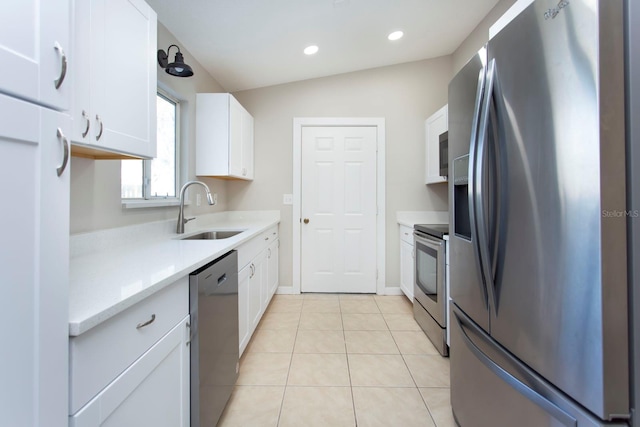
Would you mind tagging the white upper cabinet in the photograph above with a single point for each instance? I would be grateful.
(224, 137)
(115, 79)
(34, 51)
(435, 126)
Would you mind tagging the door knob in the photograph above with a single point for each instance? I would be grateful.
(306, 220)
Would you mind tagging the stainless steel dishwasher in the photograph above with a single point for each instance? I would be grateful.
(213, 305)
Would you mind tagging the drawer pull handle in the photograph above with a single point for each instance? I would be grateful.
(63, 66)
(86, 131)
(99, 135)
(147, 323)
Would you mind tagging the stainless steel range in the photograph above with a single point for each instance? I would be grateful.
(429, 288)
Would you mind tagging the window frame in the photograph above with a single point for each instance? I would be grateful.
(147, 200)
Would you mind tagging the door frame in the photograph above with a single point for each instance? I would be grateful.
(379, 124)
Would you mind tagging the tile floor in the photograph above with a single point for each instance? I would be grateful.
(340, 360)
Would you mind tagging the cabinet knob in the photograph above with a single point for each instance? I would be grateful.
(306, 220)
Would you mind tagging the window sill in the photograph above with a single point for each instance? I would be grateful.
(151, 203)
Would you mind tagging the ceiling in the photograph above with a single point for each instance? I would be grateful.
(246, 44)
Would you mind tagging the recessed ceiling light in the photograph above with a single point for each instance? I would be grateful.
(396, 35)
(310, 50)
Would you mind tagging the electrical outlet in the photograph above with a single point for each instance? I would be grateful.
(287, 199)
(198, 199)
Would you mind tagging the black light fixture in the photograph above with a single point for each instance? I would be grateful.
(177, 67)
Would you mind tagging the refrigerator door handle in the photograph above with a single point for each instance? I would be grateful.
(532, 395)
(472, 178)
(478, 185)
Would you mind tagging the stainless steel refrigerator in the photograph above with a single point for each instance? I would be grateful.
(539, 273)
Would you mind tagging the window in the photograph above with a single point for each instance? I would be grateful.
(157, 178)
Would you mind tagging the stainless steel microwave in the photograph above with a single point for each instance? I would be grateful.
(444, 153)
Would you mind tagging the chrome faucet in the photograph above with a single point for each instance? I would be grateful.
(181, 219)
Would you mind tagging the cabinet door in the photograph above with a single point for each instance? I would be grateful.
(435, 125)
(247, 145)
(34, 266)
(83, 57)
(272, 268)
(265, 295)
(256, 289)
(114, 106)
(153, 391)
(407, 257)
(243, 307)
(127, 105)
(34, 48)
(236, 113)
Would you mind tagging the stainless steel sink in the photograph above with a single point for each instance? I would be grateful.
(212, 235)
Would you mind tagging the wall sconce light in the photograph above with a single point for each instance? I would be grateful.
(177, 67)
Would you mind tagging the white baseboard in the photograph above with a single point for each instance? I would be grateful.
(284, 290)
(390, 290)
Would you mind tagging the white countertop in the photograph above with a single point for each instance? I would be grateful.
(111, 270)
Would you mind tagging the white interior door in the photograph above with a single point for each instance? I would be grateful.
(338, 207)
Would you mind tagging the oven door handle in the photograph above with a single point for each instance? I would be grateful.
(432, 242)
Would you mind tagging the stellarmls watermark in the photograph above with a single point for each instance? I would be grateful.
(618, 214)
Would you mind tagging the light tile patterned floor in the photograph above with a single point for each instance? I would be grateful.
(334, 360)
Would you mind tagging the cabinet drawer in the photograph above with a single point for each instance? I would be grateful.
(102, 353)
(406, 234)
(270, 235)
(160, 378)
(249, 250)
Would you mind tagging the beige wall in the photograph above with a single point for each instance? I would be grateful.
(479, 36)
(95, 184)
(405, 95)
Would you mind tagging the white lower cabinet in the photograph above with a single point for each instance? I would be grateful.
(407, 261)
(258, 299)
(273, 260)
(243, 307)
(153, 391)
(133, 369)
(256, 278)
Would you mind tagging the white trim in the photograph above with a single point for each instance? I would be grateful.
(379, 123)
(394, 290)
(150, 203)
(284, 290)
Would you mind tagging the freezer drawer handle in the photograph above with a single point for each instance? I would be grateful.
(147, 323)
(564, 418)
